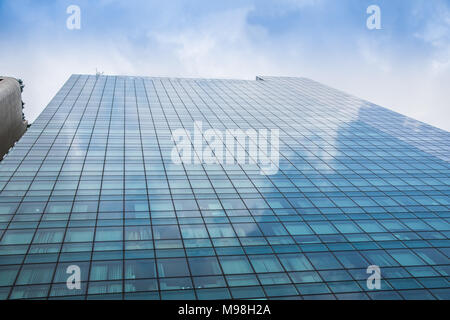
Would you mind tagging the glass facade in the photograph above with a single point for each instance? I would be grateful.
(93, 184)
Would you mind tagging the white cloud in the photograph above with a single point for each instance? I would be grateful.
(302, 3)
(220, 45)
(224, 44)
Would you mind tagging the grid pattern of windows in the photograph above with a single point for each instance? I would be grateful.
(92, 184)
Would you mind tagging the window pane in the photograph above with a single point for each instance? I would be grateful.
(36, 273)
(172, 267)
(106, 270)
(204, 266)
(235, 265)
(135, 269)
(265, 263)
(295, 262)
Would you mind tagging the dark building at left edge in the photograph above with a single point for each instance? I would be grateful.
(12, 121)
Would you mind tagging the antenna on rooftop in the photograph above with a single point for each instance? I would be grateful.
(98, 73)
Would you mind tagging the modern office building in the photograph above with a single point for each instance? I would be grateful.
(357, 208)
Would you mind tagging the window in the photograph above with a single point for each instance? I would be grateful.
(247, 229)
(138, 269)
(265, 263)
(176, 267)
(17, 237)
(166, 232)
(323, 261)
(106, 270)
(79, 234)
(49, 236)
(36, 274)
(220, 230)
(193, 231)
(351, 259)
(298, 228)
(295, 262)
(406, 257)
(9, 274)
(138, 233)
(204, 266)
(235, 264)
(272, 229)
(109, 234)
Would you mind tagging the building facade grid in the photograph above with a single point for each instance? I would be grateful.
(92, 183)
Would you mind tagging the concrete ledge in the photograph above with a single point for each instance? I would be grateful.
(12, 125)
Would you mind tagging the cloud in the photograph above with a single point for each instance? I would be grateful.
(436, 32)
(218, 39)
(221, 44)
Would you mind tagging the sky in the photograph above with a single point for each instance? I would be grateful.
(404, 66)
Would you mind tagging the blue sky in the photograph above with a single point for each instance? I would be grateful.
(405, 66)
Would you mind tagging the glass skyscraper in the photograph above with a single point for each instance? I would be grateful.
(93, 184)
